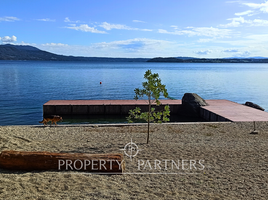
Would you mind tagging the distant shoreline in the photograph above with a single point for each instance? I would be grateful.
(30, 53)
(209, 60)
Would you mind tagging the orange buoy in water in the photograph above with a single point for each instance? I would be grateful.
(100, 82)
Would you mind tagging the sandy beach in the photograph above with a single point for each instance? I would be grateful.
(215, 161)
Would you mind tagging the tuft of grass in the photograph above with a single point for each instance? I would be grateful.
(212, 125)
(209, 134)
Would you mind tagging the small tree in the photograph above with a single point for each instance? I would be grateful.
(152, 88)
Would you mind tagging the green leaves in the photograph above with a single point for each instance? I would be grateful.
(152, 88)
(134, 114)
(153, 116)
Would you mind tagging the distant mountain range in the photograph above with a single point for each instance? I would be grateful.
(209, 60)
(257, 57)
(25, 52)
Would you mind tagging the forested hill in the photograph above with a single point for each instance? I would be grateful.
(24, 52)
(208, 60)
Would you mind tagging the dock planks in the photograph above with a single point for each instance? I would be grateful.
(235, 112)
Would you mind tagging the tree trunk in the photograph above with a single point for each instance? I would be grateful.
(28, 161)
(149, 115)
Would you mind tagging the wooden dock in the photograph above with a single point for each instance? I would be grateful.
(102, 107)
(217, 110)
(224, 110)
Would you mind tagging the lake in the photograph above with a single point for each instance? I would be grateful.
(26, 85)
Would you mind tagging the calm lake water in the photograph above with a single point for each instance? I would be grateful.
(26, 85)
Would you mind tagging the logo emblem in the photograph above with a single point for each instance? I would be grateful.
(131, 149)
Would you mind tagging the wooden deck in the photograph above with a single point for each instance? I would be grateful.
(217, 110)
(108, 102)
(234, 112)
(102, 107)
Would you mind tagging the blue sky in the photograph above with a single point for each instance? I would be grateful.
(140, 28)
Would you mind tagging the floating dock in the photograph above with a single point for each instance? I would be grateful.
(102, 107)
(216, 110)
(224, 110)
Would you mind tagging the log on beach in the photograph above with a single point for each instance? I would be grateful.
(94, 163)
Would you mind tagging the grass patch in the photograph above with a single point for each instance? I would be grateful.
(209, 134)
(212, 125)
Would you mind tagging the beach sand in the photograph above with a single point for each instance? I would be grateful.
(235, 162)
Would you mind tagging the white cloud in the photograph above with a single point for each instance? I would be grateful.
(248, 13)
(138, 47)
(46, 20)
(256, 42)
(132, 48)
(57, 48)
(85, 28)
(262, 38)
(54, 45)
(238, 21)
(204, 40)
(200, 31)
(138, 21)
(243, 54)
(259, 22)
(67, 19)
(237, 52)
(108, 26)
(233, 2)
(9, 19)
(263, 7)
(70, 21)
(25, 43)
(7, 39)
(137, 43)
(230, 51)
(255, 8)
(203, 52)
(174, 26)
(235, 22)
